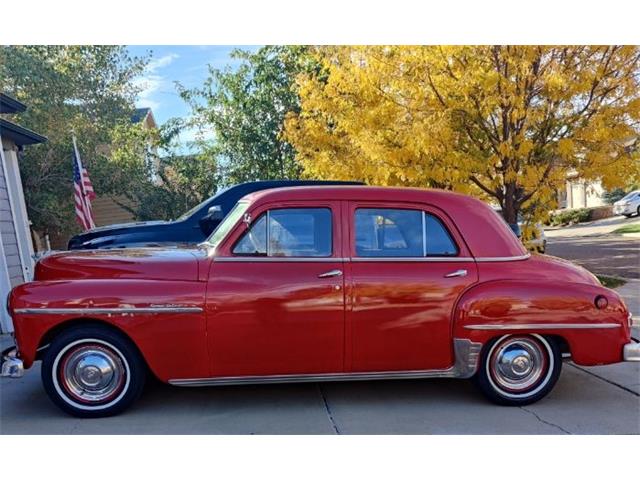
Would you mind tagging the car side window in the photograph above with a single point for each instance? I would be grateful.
(439, 242)
(289, 232)
(391, 232)
(386, 232)
(254, 241)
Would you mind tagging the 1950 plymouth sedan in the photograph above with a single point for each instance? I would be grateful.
(317, 284)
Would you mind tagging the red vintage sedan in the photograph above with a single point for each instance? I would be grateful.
(317, 284)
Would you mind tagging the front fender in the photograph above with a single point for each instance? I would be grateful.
(595, 336)
(164, 319)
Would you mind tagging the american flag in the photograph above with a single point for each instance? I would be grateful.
(83, 191)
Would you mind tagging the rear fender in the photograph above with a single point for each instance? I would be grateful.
(594, 336)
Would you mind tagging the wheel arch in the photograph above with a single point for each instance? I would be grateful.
(71, 323)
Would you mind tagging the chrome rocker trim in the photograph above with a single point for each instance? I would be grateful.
(11, 365)
(106, 311)
(467, 354)
(542, 326)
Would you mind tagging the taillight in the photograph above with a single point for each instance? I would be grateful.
(601, 302)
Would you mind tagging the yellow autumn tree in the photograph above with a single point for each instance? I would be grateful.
(506, 123)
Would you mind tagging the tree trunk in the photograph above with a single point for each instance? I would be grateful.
(510, 206)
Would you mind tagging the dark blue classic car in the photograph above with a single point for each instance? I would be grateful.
(192, 227)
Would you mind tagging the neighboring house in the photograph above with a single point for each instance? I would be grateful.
(579, 193)
(16, 248)
(107, 209)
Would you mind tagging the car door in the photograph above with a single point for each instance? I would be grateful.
(408, 267)
(275, 294)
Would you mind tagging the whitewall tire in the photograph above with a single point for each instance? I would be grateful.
(518, 369)
(93, 371)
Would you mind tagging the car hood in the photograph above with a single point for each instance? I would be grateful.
(142, 263)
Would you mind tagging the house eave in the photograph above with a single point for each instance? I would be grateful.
(19, 135)
(10, 105)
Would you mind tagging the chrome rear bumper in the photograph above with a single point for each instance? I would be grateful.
(11, 365)
(631, 352)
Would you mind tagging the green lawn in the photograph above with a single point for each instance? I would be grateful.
(610, 282)
(635, 228)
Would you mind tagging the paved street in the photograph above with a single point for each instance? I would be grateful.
(596, 248)
(606, 254)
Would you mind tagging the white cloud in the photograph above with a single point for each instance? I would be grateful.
(152, 81)
(161, 62)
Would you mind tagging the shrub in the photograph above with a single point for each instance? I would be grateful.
(569, 217)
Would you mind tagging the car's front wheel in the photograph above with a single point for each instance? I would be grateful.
(93, 371)
(518, 369)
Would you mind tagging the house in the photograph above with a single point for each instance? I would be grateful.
(579, 193)
(16, 247)
(108, 210)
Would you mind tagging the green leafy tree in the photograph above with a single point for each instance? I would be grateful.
(246, 108)
(89, 90)
(166, 182)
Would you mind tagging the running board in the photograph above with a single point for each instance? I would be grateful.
(466, 354)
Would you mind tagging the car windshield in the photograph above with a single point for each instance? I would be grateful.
(193, 210)
(630, 195)
(227, 224)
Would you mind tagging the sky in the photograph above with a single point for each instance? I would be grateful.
(187, 64)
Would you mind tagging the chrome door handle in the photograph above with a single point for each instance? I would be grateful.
(457, 273)
(331, 273)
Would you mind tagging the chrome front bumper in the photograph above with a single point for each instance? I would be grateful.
(623, 210)
(11, 365)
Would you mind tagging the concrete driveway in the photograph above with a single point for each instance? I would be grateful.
(601, 400)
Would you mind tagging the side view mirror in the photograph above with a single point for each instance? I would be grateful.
(208, 222)
(215, 213)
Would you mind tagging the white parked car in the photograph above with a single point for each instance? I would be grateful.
(628, 205)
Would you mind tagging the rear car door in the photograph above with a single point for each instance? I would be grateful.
(408, 267)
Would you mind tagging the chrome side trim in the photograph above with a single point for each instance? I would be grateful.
(371, 259)
(466, 364)
(541, 326)
(107, 311)
(503, 259)
(280, 259)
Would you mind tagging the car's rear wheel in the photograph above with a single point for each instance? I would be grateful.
(93, 371)
(518, 369)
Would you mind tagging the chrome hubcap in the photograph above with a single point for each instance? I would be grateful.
(518, 363)
(92, 373)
